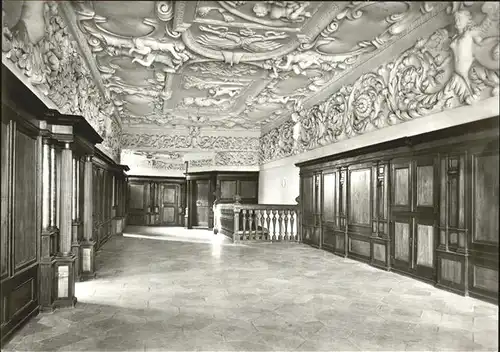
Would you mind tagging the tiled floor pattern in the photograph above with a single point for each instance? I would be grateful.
(189, 293)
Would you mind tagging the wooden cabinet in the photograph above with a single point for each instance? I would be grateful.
(424, 206)
(156, 201)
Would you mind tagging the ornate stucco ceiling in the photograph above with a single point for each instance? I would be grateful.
(230, 64)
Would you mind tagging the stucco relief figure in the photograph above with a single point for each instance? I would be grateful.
(247, 39)
(290, 11)
(469, 45)
(147, 47)
(205, 102)
(220, 91)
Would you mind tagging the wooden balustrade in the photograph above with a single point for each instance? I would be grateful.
(257, 222)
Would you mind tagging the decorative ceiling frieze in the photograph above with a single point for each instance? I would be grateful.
(457, 65)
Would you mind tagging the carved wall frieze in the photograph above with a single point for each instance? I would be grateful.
(194, 141)
(456, 65)
(42, 48)
(237, 158)
(201, 163)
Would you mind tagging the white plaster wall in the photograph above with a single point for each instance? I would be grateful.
(279, 185)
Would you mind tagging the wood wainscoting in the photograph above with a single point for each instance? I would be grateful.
(156, 200)
(424, 206)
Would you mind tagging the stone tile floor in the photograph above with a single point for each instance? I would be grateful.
(169, 289)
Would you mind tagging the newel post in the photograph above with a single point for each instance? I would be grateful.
(236, 227)
(299, 219)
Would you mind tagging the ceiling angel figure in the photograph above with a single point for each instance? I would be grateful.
(149, 48)
(471, 44)
(246, 39)
(290, 11)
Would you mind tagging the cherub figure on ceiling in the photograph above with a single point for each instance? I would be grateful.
(290, 11)
(149, 48)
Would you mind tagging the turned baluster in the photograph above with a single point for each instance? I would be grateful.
(292, 232)
(274, 216)
(249, 236)
(285, 233)
(264, 224)
(258, 223)
(268, 224)
(280, 225)
(244, 211)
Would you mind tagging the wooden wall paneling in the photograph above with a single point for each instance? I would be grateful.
(24, 230)
(359, 215)
(156, 201)
(248, 190)
(380, 256)
(228, 189)
(329, 209)
(484, 204)
(426, 207)
(441, 205)
(6, 204)
(307, 207)
(21, 222)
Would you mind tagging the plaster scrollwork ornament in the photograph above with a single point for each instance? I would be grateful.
(216, 88)
(219, 69)
(201, 163)
(204, 10)
(220, 104)
(311, 55)
(271, 13)
(165, 12)
(236, 158)
(452, 67)
(220, 38)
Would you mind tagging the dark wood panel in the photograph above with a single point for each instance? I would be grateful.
(169, 203)
(307, 194)
(248, 189)
(402, 241)
(360, 196)
(329, 197)
(136, 196)
(25, 206)
(359, 247)
(228, 189)
(451, 270)
(202, 205)
(485, 198)
(425, 185)
(4, 225)
(485, 278)
(401, 186)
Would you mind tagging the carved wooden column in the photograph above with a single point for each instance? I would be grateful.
(188, 218)
(87, 245)
(65, 260)
(49, 231)
(76, 221)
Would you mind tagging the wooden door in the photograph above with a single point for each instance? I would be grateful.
(201, 203)
(413, 211)
(136, 204)
(169, 203)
